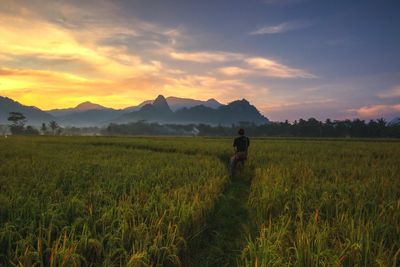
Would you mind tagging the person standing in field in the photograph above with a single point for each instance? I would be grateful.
(241, 145)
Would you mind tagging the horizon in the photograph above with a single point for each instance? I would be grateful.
(291, 59)
(166, 98)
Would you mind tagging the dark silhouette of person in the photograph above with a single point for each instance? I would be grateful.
(241, 145)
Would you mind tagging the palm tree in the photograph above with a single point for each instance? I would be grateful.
(53, 126)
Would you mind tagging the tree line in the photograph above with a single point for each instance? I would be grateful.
(302, 128)
(18, 127)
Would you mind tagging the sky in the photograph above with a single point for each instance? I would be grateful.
(290, 58)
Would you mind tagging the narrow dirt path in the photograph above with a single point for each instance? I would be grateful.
(221, 243)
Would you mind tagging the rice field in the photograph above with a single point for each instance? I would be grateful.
(145, 201)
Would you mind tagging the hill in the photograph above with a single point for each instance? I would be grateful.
(176, 103)
(34, 116)
(183, 111)
(159, 111)
(85, 106)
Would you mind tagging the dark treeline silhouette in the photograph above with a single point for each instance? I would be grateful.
(302, 128)
(314, 128)
(17, 126)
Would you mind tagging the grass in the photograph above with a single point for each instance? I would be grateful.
(106, 201)
(73, 204)
(326, 204)
(221, 241)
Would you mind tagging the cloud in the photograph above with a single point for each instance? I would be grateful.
(60, 53)
(280, 105)
(93, 32)
(389, 93)
(49, 89)
(35, 75)
(57, 54)
(205, 56)
(258, 66)
(280, 28)
(206, 86)
(272, 68)
(376, 111)
(20, 42)
(233, 71)
(285, 109)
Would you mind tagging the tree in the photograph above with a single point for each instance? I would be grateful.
(43, 129)
(18, 122)
(30, 130)
(17, 118)
(54, 127)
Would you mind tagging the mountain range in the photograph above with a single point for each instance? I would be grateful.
(163, 110)
(33, 114)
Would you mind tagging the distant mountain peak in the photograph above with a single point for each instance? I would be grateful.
(33, 114)
(242, 102)
(87, 105)
(160, 104)
(160, 100)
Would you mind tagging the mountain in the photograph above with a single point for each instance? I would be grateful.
(395, 121)
(34, 116)
(159, 111)
(159, 105)
(88, 106)
(235, 112)
(212, 103)
(85, 114)
(92, 117)
(176, 103)
(184, 111)
(80, 107)
(138, 107)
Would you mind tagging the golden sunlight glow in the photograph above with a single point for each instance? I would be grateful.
(59, 56)
(40, 51)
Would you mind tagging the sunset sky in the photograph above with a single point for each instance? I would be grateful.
(290, 58)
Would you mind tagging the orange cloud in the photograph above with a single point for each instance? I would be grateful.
(48, 89)
(205, 57)
(22, 38)
(57, 55)
(53, 66)
(233, 71)
(376, 111)
(272, 68)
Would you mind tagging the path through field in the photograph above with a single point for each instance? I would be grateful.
(228, 227)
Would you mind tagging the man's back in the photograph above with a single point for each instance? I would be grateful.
(241, 143)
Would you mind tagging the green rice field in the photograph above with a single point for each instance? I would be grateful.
(164, 201)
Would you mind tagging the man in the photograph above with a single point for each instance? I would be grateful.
(241, 145)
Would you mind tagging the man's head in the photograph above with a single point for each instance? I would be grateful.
(241, 131)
